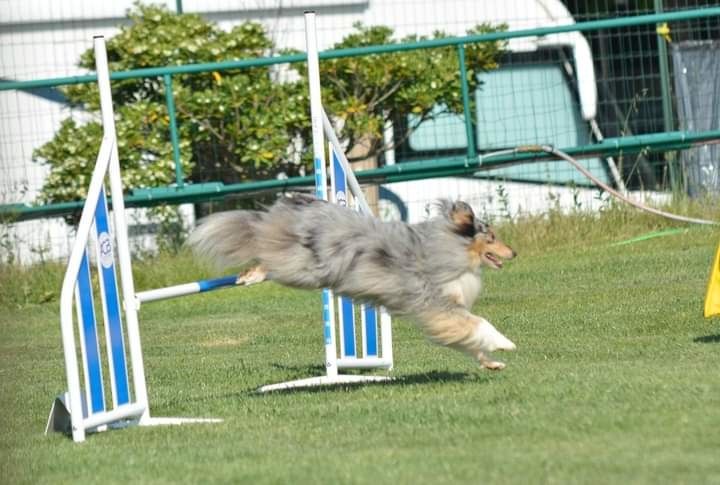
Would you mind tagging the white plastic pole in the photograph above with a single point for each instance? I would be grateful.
(126, 411)
(123, 246)
(364, 363)
(320, 178)
(168, 292)
(386, 336)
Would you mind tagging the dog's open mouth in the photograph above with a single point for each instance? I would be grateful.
(493, 260)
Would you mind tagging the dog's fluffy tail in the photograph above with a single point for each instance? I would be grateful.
(226, 238)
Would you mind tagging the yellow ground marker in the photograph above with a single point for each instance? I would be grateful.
(712, 299)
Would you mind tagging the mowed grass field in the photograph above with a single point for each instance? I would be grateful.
(616, 378)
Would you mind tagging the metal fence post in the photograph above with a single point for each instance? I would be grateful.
(174, 139)
(667, 109)
(471, 150)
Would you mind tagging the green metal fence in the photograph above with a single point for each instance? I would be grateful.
(470, 162)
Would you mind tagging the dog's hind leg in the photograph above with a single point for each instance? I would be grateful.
(254, 275)
(473, 335)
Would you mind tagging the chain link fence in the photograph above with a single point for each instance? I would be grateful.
(569, 89)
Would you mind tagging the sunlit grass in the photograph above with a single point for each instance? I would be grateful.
(615, 379)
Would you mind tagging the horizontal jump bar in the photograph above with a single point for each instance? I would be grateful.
(200, 286)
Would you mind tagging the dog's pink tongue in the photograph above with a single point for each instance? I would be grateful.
(496, 261)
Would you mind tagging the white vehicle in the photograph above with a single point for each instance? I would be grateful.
(544, 92)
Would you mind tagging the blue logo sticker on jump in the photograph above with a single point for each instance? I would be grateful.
(105, 250)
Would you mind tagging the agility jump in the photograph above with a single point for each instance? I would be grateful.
(81, 411)
(83, 407)
(341, 176)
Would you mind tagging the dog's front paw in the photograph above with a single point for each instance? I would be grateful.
(492, 365)
(252, 276)
(490, 339)
(488, 363)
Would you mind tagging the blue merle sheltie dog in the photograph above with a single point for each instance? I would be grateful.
(428, 271)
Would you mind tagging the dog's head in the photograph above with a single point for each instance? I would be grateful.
(484, 247)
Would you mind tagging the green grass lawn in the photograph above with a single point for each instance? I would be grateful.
(616, 380)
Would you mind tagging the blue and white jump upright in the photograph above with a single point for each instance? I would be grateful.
(84, 407)
(376, 351)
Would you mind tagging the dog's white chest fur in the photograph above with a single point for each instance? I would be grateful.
(465, 289)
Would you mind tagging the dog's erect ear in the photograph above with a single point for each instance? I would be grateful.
(482, 227)
(463, 218)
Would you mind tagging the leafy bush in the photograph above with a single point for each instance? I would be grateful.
(240, 119)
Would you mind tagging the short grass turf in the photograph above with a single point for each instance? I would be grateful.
(616, 380)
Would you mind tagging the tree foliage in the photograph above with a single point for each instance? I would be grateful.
(367, 92)
(242, 124)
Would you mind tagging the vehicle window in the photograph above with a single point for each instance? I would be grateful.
(517, 105)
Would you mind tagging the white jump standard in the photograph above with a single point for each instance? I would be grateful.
(340, 173)
(74, 410)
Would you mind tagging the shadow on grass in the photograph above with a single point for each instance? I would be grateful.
(424, 378)
(300, 370)
(708, 339)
